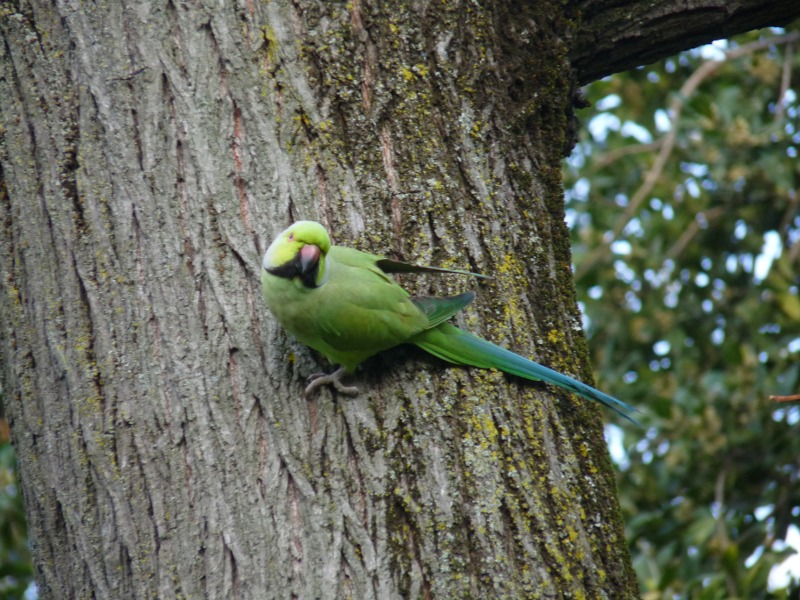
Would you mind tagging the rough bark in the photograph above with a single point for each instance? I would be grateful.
(617, 35)
(150, 152)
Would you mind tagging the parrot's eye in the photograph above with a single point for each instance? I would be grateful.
(291, 237)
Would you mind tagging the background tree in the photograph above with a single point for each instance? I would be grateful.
(684, 201)
(151, 151)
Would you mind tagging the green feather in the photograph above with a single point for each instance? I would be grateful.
(439, 310)
(460, 347)
(344, 304)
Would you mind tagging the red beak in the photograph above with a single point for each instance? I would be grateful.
(309, 257)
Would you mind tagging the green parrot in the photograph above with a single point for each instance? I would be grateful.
(343, 303)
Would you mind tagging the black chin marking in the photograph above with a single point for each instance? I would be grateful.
(309, 278)
(294, 268)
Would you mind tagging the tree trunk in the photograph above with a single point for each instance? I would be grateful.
(150, 153)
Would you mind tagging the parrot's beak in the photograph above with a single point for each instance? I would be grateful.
(309, 258)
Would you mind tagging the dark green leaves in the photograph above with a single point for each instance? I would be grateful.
(686, 235)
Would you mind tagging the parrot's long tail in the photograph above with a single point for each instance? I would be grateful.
(456, 346)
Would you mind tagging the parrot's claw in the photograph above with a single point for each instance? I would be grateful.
(335, 379)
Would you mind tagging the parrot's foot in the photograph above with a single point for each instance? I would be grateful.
(334, 379)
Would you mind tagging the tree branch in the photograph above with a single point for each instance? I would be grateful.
(615, 36)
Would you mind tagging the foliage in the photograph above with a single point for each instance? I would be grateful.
(16, 572)
(683, 197)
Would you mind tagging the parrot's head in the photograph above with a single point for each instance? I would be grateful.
(299, 253)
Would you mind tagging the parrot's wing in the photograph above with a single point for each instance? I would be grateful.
(388, 265)
(439, 310)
